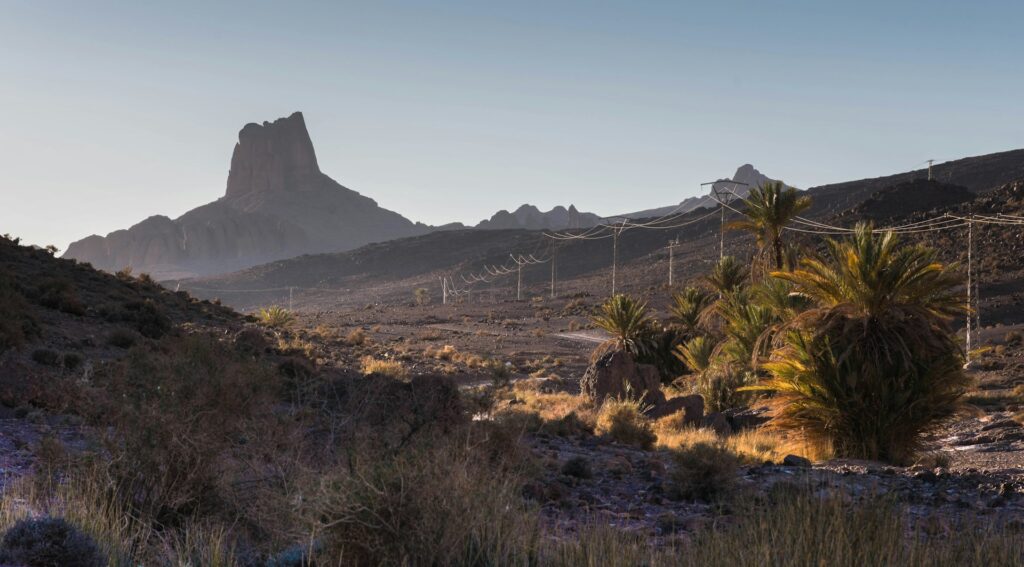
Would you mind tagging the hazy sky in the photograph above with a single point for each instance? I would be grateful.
(449, 111)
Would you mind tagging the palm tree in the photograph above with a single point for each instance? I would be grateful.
(687, 307)
(769, 208)
(626, 319)
(697, 353)
(727, 276)
(873, 365)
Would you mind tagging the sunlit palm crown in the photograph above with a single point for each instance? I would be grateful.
(870, 274)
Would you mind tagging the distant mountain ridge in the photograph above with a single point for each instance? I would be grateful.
(532, 218)
(277, 204)
(745, 178)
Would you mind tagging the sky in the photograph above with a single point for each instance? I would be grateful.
(450, 111)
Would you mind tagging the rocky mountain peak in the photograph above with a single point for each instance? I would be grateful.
(272, 157)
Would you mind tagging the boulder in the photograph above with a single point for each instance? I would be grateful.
(717, 422)
(746, 418)
(691, 406)
(617, 375)
(795, 461)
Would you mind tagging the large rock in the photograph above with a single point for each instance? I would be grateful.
(691, 406)
(617, 375)
(278, 204)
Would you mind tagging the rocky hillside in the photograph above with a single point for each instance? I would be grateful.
(278, 204)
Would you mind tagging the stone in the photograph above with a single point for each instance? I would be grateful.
(617, 375)
(691, 406)
(717, 422)
(746, 418)
(795, 461)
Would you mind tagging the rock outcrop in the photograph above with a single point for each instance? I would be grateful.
(617, 375)
(278, 204)
(745, 178)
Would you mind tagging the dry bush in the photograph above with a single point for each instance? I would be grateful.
(752, 446)
(16, 321)
(177, 412)
(445, 502)
(356, 337)
(390, 368)
(622, 420)
(703, 471)
(60, 294)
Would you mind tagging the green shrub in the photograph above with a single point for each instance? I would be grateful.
(275, 317)
(49, 542)
(703, 471)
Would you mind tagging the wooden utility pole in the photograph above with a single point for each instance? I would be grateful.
(671, 249)
(615, 253)
(519, 280)
(723, 196)
(552, 272)
(970, 249)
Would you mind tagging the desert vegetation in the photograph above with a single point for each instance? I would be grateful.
(686, 438)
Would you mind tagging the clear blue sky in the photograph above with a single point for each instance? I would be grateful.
(452, 110)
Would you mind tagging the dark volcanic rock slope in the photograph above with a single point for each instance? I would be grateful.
(278, 204)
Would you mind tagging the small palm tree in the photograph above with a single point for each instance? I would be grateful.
(769, 208)
(276, 317)
(697, 353)
(626, 319)
(727, 276)
(687, 308)
(873, 365)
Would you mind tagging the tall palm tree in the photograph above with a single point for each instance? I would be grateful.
(769, 208)
(873, 365)
(727, 276)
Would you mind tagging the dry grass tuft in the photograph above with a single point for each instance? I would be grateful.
(393, 368)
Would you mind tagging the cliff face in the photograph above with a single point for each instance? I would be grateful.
(278, 204)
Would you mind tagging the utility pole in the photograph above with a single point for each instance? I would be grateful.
(671, 248)
(444, 291)
(970, 248)
(930, 161)
(290, 289)
(519, 281)
(615, 252)
(552, 272)
(723, 196)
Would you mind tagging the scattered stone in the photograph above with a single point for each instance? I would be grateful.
(795, 461)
